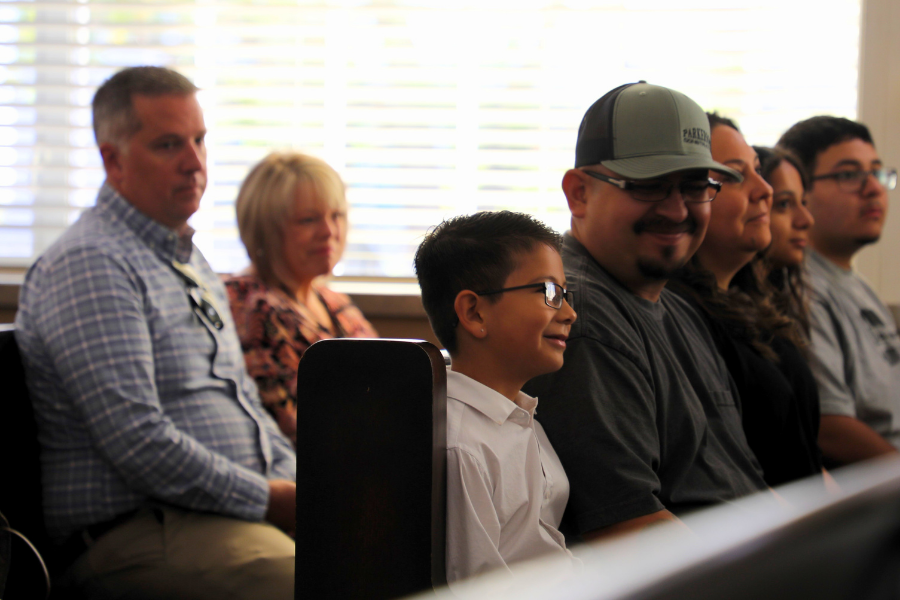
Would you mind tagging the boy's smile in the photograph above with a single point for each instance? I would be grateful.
(523, 335)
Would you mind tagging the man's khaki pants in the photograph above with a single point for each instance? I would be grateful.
(171, 553)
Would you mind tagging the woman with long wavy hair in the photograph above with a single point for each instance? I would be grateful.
(790, 222)
(760, 343)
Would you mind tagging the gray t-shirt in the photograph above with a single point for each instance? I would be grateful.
(643, 415)
(855, 349)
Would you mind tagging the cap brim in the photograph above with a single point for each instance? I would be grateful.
(648, 167)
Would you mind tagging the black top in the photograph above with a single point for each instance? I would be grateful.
(643, 414)
(780, 405)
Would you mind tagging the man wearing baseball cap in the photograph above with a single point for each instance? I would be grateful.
(643, 414)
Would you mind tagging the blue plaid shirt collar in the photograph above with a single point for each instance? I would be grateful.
(169, 245)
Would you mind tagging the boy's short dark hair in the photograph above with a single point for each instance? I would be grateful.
(807, 139)
(473, 252)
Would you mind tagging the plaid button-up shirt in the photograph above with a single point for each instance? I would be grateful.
(138, 396)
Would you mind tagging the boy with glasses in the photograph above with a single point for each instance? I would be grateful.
(643, 414)
(855, 346)
(495, 292)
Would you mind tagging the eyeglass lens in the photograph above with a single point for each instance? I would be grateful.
(886, 178)
(551, 295)
(691, 191)
(554, 295)
(855, 181)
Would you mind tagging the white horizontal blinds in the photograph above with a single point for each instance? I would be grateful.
(427, 109)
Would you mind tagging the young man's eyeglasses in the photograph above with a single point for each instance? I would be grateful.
(854, 181)
(554, 294)
(693, 191)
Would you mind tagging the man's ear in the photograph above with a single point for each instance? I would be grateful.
(112, 161)
(575, 189)
(468, 310)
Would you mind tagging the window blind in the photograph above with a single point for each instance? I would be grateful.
(427, 109)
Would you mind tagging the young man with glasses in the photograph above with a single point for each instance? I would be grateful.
(163, 476)
(855, 346)
(643, 414)
(494, 289)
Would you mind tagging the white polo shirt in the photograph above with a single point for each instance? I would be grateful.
(506, 489)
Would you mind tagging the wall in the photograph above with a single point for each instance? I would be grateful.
(9, 293)
(879, 108)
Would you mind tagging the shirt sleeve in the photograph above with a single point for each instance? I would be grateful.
(91, 317)
(599, 412)
(829, 360)
(473, 527)
(284, 461)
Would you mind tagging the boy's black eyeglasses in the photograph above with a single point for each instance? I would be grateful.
(854, 181)
(554, 294)
(693, 191)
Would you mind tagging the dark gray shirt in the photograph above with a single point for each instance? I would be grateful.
(643, 414)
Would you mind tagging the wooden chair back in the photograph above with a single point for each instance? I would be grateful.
(371, 469)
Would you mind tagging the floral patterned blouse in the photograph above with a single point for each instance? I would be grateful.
(275, 330)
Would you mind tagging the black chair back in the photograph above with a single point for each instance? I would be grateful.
(20, 473)
(371, 469)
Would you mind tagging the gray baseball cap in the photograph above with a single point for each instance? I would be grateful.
(641, 131)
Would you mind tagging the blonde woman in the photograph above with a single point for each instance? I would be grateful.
(292, 217)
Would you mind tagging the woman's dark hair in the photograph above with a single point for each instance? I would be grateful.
(747, 309)
(473, 252)
(771, 158)
(789, 295)
(788, 285)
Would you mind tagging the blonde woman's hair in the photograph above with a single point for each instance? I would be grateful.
(266, 201)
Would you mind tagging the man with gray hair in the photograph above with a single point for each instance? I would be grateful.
(163, 476)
